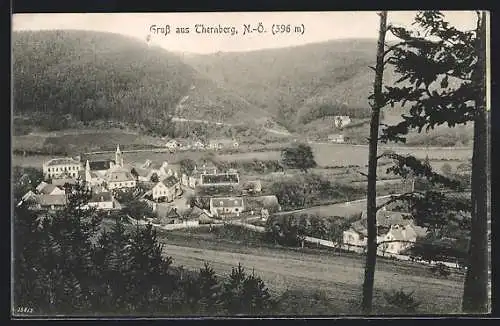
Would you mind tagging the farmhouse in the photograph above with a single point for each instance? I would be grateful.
(403, 237)
(391, 226)
(167, 189)
(49, 189)
(60, 168)
(45, 202)
(226, 207)
(102, 201)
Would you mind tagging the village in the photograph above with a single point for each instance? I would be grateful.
(188, 197)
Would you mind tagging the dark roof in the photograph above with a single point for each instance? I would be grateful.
(226, 202)
(101, 197)
(119, 175)
(100, 165)
(170, 181)
(220, 178)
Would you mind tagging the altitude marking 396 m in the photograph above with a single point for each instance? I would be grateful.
(288, 29)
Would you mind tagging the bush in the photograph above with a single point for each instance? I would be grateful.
(403, 302)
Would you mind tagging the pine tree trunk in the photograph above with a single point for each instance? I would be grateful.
(475, 298)
(371, 255)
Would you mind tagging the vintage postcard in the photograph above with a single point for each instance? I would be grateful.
(273, 164)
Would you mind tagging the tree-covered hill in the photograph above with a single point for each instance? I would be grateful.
(93, 75)
(83, 76)
(293, 83)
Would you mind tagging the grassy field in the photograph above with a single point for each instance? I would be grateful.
(338, 277)
(77, 141)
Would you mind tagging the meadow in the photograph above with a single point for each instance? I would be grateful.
(339, 277)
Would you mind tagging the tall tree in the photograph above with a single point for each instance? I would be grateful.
(475, 297)
(371, 207)
(444, 72)
(299, 157)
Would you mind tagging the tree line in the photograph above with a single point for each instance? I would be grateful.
(65, 263)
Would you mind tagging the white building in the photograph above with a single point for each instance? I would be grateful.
(102, 201)
(61, 167)
(146, 171)
(395, 232)
(120, 178)
(226, 207)
(167, 189)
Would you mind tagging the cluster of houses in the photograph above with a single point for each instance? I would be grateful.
(214, 144)
(227, 195)
(154, 182)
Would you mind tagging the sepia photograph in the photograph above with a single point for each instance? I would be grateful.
(250, 164)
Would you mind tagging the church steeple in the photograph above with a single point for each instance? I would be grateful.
(118, 157)
(88, 176)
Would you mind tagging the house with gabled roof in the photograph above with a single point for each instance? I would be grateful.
(167, 189)
(149, 169)
(49, 189)
(45, 202)
(225, 207)
(102, 200)
(396, 232)
(119, 178)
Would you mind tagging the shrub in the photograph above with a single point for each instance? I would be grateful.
(402, 301)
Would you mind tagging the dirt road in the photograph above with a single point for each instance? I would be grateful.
(340, 277)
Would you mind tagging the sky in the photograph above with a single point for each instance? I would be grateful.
(316, 27)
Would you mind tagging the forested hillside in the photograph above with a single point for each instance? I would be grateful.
(91, 75)
(63, 79)
(297, 84)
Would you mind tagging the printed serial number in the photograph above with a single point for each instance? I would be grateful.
(24, 310)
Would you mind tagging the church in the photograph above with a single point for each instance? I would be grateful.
(108, 173)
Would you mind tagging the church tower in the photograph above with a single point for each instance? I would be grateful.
(88, 176)
(118, 157)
